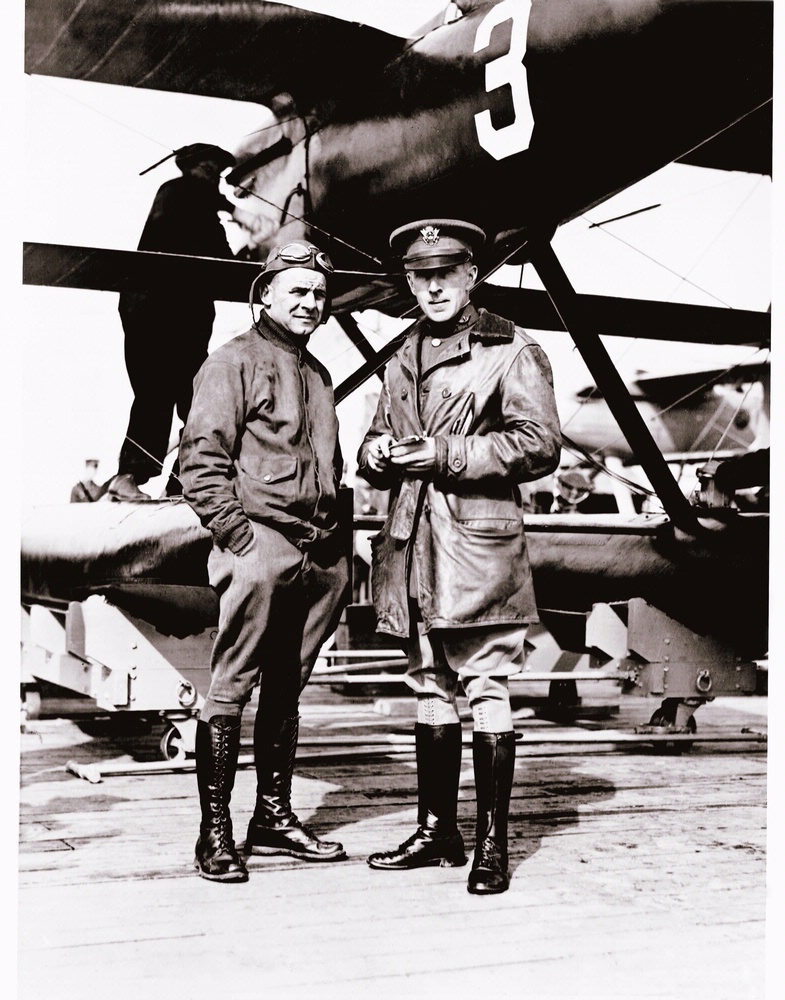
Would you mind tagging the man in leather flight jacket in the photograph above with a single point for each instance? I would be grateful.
(466, 413)
(260, 464)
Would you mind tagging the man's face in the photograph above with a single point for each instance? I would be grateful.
(442, 292)
(295, 299)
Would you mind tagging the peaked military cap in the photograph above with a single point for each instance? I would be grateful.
(432, 243)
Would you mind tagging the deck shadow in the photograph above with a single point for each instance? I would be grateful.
(548, 795)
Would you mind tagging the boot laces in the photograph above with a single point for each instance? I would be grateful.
(490, 855)
(221, 831)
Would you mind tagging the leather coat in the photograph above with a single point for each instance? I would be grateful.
(261, 441)
(488, 402)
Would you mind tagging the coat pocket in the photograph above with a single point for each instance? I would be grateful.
(485, 515)
(267, 482)
(269, 469)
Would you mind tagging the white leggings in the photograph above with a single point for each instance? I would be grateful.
(481, 658)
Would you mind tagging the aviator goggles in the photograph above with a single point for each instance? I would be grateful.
(303, 254)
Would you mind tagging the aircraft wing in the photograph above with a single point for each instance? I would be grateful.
(643, 318)
(230, 280)
(104, 269)
(668, 388)
(216, 48)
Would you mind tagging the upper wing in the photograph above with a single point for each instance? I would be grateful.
(247, 50)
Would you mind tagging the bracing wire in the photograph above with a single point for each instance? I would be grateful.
(590, 458)
(728, 222)
(247, 190)
(659, 263)
(698, 390)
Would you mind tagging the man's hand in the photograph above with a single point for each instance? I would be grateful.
(378, 454)
(416, 456)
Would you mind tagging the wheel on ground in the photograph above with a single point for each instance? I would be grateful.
(665, 716)
(172, 744)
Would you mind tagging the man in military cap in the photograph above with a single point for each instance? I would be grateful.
(260, 464)
(466, 413)
(166, 327)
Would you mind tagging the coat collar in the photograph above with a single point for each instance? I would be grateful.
(275, 333)
(477, 323)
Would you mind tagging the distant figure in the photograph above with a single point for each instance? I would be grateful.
(87, 489)
(167, 328)
(570, 487)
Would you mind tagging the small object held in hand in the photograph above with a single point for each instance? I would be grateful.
(406, 444)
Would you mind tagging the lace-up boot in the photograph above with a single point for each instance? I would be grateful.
(217, 749)
(494, 764)
(437, 840)
(274, 828)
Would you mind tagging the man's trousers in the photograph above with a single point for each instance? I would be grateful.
(278, 604)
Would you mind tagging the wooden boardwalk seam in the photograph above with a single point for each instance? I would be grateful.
(634, 874)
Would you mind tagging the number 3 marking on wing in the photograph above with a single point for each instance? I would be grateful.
(506, 69)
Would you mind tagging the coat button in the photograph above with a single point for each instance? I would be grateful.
(445, 393)
(267, 478)
(404, 393)
(436, 341)
(456, 462)
(425, 388)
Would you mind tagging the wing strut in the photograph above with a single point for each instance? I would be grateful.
(611, 385)
(351, 328)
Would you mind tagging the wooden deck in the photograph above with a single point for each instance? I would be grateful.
(635, 874)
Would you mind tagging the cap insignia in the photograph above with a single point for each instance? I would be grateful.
(430, 235)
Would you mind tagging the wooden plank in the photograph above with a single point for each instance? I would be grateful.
(633, 874)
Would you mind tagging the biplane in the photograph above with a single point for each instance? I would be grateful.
(518, 115)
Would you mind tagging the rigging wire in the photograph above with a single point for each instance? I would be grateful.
(590, 458)
(619, 438)
(311, 225)
(729, 424)
(715, 239)
(659, 263)
(406, 314)
(283, 211)
(683, 278)
(42, 81)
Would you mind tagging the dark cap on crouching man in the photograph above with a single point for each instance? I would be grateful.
(260, 464)
(466, 413)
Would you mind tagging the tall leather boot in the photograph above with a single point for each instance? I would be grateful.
(217, 749)
(274, 828)
(437, 840)
(494, 764)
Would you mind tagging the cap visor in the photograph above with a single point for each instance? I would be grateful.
(432, 263)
